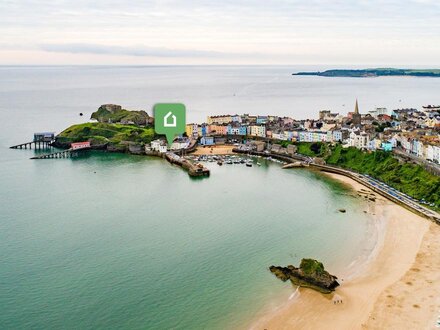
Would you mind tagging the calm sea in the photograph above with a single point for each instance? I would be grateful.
(117, 241)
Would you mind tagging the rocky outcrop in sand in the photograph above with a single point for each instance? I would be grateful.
(310, 274)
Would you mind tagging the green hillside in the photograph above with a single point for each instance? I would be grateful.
(411, 179)
(103, 134)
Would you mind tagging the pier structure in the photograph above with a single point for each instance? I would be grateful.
(194, 170)
(68, 153)
(73, 151)
(41, 141)
(35, 144)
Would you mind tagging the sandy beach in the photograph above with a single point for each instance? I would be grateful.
(400, 288)
(214, 150)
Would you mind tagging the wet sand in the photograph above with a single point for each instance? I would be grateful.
(400, 288)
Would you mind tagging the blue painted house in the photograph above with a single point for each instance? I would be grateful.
(205, 130)
(229, 129)
(337, 136)
(207, 141)
(261, 120)
(236, 130)
(387, 146)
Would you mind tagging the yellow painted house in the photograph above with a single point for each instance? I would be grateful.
(221, 120)
(192, 130)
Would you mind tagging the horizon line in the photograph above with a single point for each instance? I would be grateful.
(369, 66)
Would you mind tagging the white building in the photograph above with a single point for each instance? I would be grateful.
(359, 140)
(177, 145)
(158, 145)
(279, 136)
(378, 111)
(433, 153)
(436, 156)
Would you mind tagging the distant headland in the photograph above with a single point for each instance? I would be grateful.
(379, 72)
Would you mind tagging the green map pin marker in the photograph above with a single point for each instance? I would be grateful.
(169, 119)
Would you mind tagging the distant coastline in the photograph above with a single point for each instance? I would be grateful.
(379, 72)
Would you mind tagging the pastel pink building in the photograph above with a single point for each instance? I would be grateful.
(80, 145)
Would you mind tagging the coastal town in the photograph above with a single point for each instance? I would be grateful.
(411, 132)
(389, 155)
(212, 165)
(400, 136)
(410, 135)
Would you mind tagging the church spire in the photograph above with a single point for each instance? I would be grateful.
(356, 118)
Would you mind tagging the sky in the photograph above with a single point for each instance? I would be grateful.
(365, 32)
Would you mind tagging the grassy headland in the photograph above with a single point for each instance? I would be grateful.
(117, 129)
(100, 135)
(379, 72)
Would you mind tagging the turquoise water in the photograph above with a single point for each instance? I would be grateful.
(117, 241)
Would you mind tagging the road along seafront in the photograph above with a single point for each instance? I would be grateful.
(375, 185)
(398, 287)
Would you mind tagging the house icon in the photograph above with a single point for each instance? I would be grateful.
(169, 120)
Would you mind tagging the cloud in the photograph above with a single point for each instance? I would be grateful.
(251, 31)
(82, 48)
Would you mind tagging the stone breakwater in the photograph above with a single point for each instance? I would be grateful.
(194, 170)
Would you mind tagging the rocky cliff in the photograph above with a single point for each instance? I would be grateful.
(310, 273)
(113, 113)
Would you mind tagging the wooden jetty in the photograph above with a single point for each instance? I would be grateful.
(35, 144)
(41, 141)
(68, 153)
(73, 151)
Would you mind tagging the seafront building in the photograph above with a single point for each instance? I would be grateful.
(409, 131)
(158, 145)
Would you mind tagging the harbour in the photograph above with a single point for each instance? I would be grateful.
(141, 244)
(192, 164)
(116, 267)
